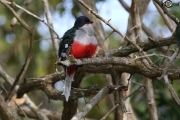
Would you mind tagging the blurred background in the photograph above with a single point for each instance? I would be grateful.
(14, 46)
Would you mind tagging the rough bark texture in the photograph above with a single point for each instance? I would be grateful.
(118, 114)
(5, 111)
(114, 63)
(70, 107)
(153, 43)
(150, 97)
(123, 64)
(52, 115)
(137, 21)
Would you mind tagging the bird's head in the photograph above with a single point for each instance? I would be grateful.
(81, 21)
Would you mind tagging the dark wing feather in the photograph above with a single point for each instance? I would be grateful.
(177, 35)
(65, 44)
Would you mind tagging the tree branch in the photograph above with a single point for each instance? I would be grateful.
(123, 64)
(171, 59)
(94, 65)
(150, 99)
(165, 17)
(107, 23)
(52, 115)
(19, 12)
(21, 21)
(96, 99)
(144, 27)
(167, 12)
(171, 90)
(31, 14)
(6, 112)
(46, 84)
(152, 43)
(49, 20)
(22, 72)
(28, 101)
(135, 13)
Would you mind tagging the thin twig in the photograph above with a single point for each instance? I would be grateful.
(107, 23)
(167, 12)
(33, 15)
(165, 17)
(5, 76)
(10, 80)
(109, 35)
(171, 59)
(2, 86)
(144, 27)
(6, 111)
(112, 109)
(44, 39)
(96, 99)
(20, 109)
(19, 12)
(49, 20)
(171, 90)
(133, 92)
(137, 20)
(22, 72)
(21, 21)
(153, 54)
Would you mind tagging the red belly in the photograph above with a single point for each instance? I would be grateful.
(82, 51)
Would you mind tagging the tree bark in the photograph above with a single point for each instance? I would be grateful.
(70, 107)
(150, 98)
(5, 112)
(137, 21)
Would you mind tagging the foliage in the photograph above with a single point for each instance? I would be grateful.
(14, 46)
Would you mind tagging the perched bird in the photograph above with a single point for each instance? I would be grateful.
(80, 42)
(177, 35)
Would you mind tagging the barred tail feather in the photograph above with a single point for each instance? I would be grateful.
(67, 85)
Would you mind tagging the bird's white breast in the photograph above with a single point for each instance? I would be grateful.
(85, 35)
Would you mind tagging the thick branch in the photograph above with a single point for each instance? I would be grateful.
(93, 65)
(28, 101)
(151, 100)
(5, 111)
(123, 64)
(46, 84)
(153, 43)
(52, 115)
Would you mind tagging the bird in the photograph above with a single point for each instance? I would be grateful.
(79, 42)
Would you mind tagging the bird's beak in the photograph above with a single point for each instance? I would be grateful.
(91, 22)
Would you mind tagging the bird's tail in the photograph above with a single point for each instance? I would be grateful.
(67, 85)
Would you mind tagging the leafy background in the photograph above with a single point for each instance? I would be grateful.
(14, 46)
